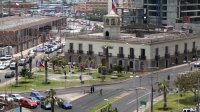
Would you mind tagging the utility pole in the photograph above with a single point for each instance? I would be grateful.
(151, 93)
(198, 96)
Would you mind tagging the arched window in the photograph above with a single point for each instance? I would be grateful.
(112, 21)
(79, 59)
(120, 62)
(131, 64)
(107, 21)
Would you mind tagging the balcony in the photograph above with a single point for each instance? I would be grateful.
(120, 55)
(131, 56)
(167, 55)
(79, 51)
(103, 54)
(142, 57)
(70, 51)
(90, 52)
(176, 53)
(157, 57)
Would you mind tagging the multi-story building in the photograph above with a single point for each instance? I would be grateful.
(24, 32)
(137, 51)
(172, 11)
(90, 5)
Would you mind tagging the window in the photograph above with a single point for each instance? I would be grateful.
(185, 46)
(90, 47)
(71, 46)
(157, 51)
(112, 21)
(121, 50)
(107, 21)
(176, 48)
(142, 52)
(166, 50)
(131, 52)
(80, 46)
(193, 45)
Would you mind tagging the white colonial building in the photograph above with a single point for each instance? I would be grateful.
(134, 51)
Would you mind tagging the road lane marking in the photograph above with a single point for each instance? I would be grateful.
(138, 98)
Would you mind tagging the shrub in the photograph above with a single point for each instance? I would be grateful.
(110, 71)
(114, 77)
(119, 75)
(103, 77)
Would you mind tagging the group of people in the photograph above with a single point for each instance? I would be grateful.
(92, 90)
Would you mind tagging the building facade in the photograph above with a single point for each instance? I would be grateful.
(164, 49)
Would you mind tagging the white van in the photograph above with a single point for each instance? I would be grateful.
(12, 66)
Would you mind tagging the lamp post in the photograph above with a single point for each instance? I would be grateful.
(65, 74)
(136, 90)
(140, 77)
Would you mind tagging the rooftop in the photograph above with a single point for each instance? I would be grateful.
(19, 22)
(131, 38)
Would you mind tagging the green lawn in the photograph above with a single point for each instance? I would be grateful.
(187, 100)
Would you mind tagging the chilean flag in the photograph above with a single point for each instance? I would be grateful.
(114, 5)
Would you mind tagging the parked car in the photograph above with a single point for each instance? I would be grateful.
(65, 104)
(45, 106)
(35, 100)
(10, 74)
(31, 53)
(40, 49)
(25, 102)
(12, 66)
(22, 62)
(37, 95)
(2, 67)
(197, 64)
(188, 110)
(6, 57)
(16, 97)
(6, 97)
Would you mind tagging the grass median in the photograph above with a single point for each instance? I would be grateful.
(176, 103)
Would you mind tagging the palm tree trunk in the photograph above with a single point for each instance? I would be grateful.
(165, 98)
(30, 65)
(16, 72)
(46, 72)
(52, 105)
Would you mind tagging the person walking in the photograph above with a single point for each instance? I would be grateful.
(93, 88)
(101, 91)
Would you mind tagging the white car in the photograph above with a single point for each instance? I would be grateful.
(6, 97)
(2, 67)
(16, 97)
(197, 64)
(6, 57)
(22, 62)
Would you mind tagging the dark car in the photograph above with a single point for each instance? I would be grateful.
(45, 106)
(10, 74)
(37, 95)
(65, 105)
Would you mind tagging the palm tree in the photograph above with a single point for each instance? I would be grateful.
(16, 71)
(46, 59)
(50, 98)
(30, 63)
(89, 61)
(163, 86)
(58, 61)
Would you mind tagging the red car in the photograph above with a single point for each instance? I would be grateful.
(25, 102)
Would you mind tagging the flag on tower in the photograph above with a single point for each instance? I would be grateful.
(114, 4)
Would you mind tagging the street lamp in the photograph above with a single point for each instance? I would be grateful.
(136, 89)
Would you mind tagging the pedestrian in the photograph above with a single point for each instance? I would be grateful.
(191, 68)
(101, 92)
(93, 88)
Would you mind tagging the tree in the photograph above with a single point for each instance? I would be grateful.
(46, 59)
(163, 86)
(50, 98)
(25, 73)
(58, 61)
(88, 62)
(187, 81)
(96, 14)
(16, 71)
